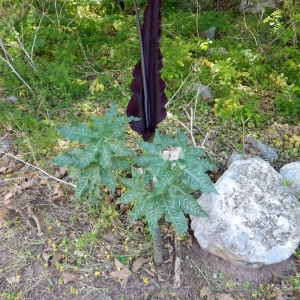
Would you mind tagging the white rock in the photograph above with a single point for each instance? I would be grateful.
(253, 221)
(291, 172)
(235, 157)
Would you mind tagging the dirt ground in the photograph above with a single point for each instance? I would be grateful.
(52, 247)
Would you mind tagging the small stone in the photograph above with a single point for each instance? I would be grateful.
(291, 172)
(203, 90)
(266, 152)
(209, 33)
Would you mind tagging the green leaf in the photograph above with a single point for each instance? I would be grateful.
(105, 157)
(95, 177)
(118, 148)
(192, 153)
(164, 140)
(182, 139)
(189, 205)
(108, 179)
(80, 132)
(152, 214)
(138, 210)
(173, 213)
(150, 148)
(100, 125)
(89, 155)
(66, 159)
(133, 195)
(83, 182)
(111, 113)
(195, 178)
(164, 179)
(119, 163)
(93, 196)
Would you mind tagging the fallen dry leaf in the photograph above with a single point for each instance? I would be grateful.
(159, 295)
(224, 297)
(30, 179)
(6, 170)
(58, 194)
(160, 279)
(78, 253)
(122, 274)
(61, 172)
(138, 263)
(7, 200)
(67, 277)
(13, 279)
(148, 272)
(169, 260)
(57, 257)
(46, 256)
(279, 295)
(206, 292)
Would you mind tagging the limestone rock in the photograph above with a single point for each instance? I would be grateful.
(235, 157)
(291, 172)
(258, 147)
(220, 50)
(253, 7)
(203, 90)
(254, 220)
(209, 33)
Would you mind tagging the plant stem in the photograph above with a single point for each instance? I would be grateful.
(157, 247)
(157, 241)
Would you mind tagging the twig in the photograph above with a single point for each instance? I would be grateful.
(177, 267)
(37, 168)
(32, 215)
(171, 100)
(11, 66)
(206, 136)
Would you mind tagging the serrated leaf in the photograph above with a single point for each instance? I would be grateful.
(139, 210)
(105, 157)
(164, 140)
(93, 197)
(79, 132)
(119, 163)
(83, 182)
(195, 178)
(173, 213)
(100, 125)
(149, 148)
(152, 214)
(111, 113)
(191, 153)
(182, 139)
(189, 205)
(118, 148)
(108, 179)
(89, 155)
(205, 164)
(66, 159)
(133, 195)
(95, 177)
(165, 177)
